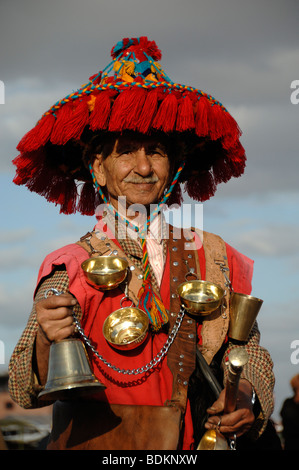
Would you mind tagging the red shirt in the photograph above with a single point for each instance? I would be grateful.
(155, 386)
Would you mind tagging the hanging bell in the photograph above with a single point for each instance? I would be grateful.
(243, 312)
(69, 372)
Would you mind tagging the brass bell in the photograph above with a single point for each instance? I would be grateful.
(69, 372)
(243, 312)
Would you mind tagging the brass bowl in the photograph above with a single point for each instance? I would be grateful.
(200, 297)
(105, 272)
(126, 328)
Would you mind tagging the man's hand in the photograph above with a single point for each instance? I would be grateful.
(54, 317)
(239, 421)
(55, 320)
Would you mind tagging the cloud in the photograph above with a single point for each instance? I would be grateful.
(14, 236)
(26, 99)
(270, 241)
(16, 306)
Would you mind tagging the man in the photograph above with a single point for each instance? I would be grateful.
(132, 136)
(290, 417)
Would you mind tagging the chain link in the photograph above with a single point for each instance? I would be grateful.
(140, 370)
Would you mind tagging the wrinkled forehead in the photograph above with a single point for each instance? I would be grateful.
(127, 142)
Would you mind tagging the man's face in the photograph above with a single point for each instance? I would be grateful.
(137, 169)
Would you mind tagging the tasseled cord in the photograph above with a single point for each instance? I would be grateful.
(148, 300)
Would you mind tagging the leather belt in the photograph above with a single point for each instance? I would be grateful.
(181, 357)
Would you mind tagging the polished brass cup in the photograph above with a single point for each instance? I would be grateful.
(126, 328)
(213, 440)
(105, 272)
(69, 372)
(200, 297)
(243, 312)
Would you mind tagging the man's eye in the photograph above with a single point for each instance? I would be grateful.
(126, 152)
(156, 151)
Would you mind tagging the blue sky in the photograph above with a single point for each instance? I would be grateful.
(246, 54)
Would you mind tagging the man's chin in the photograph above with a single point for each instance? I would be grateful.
(141, 196)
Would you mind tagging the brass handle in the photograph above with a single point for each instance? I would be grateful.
(237, 359)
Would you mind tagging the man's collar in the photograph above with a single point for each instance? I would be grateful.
(156, 231)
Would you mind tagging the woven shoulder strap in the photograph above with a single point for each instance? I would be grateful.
(215, 326)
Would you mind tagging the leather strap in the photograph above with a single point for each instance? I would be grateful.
(215, 326)
(181, 357)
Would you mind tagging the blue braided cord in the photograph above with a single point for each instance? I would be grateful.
(120, 45)
(159, 71)
(144, 304)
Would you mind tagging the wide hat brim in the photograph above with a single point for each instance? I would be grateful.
(137, 96)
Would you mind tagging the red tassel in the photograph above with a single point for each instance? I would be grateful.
(201, 187)
(237, 169)
(185, 119)
(148, 112)
(42, 179)
(86, 205)
(99, 117)
(96, 78)
(166, 115)
(232, 131)
(137, 102)
(68, 197)
(176, 196)
(237, 159)
(223, 125)
(216, 122)
(202, 117)
(56, 188)
(237, 153)
(38, 136)
(126, 110)
(63, 116)
(70, 124)
(27, 166)
(221, 171)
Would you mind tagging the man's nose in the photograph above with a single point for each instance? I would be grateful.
(143, 164)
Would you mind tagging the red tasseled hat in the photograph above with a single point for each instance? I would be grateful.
(132, 93)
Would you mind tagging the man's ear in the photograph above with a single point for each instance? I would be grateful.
(98, 170)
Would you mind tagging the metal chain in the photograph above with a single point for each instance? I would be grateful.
(150, 365)
(140, 370)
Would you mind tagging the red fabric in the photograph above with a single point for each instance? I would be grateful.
(154, 387)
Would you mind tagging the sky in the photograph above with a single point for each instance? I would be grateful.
(245, 54)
